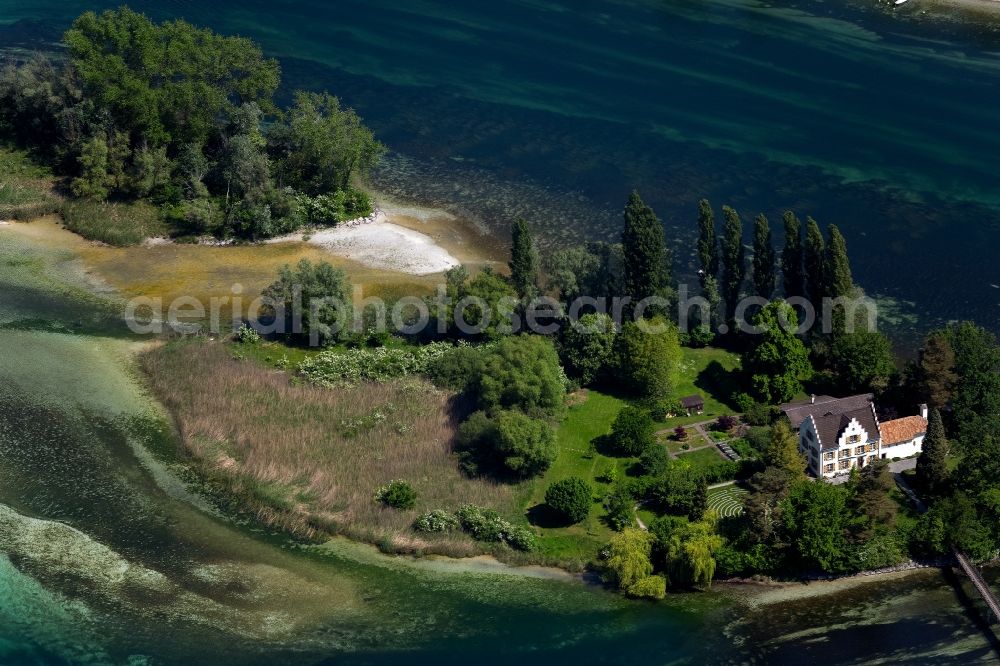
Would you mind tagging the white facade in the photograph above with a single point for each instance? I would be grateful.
(903, 449)
(854, 447)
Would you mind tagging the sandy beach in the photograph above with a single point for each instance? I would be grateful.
(378, 243)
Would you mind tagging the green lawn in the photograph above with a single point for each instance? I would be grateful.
(583, 423)
(710, 373)
(702, 458)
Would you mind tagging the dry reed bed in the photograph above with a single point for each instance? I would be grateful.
(309, 459)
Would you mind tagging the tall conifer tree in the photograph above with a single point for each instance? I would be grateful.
(838, 266)
(932, 466)
(733, 259)
(708, 244)
(763, 258)
(523, 260)
(646, 269)
(814, 261)
(791, 256)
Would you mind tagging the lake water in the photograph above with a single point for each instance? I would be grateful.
(882, 122)
(553, 110)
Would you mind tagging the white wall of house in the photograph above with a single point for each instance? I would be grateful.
(904, 450)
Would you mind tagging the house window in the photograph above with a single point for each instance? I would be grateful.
(829, 468)
(854, 439)
(859, 451)
(809, 434)
(845, 453)
(828, 455)
(845, 464)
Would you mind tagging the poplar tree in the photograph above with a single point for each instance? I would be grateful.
(708, 244)
(733, 259)
(645, 272)
(814, 261)
(837, 267)
(791, 256)
(932, 466)
(763, 258)
(523, 260)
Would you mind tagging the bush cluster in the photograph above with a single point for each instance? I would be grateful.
(336, 368)
(486, 525)
(437, 520)
(397, 494)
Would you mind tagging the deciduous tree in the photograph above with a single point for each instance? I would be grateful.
(776, 360)
(648, 357)
(863, 361)
(570, 498)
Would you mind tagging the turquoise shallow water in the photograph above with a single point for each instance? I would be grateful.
(554, 110)
(107, 558)
(881, 122)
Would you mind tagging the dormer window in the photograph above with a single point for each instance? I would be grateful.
(853, 439)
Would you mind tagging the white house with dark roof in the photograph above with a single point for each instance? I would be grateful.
(839, 434)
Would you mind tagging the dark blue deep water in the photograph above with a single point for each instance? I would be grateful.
(881, 122)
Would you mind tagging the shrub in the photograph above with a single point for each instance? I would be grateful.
(335, 368)
(526, 446)
(759, 414)
(632, 432)
(570, 498)
(247, 335)
(457, 368)
(650, 587)
(725, 423)
(620, 507)
(437, 520)
(487, 525)
(664, 409)
(397, 494)
(680, 433)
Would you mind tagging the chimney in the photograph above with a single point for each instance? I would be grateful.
(812, 399)
(923, 411)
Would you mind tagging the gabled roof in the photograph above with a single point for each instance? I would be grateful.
(903, 430)
(831, 415)
(690, 401)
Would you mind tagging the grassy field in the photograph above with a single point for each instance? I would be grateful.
(25, 189)
(308, 460)
(710, 373)
(702, 459)
(118, 224)
(584, 422)
(705, 371)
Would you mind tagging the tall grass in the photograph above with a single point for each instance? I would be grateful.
(309, 459)
(25, 189)
(118, 224)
